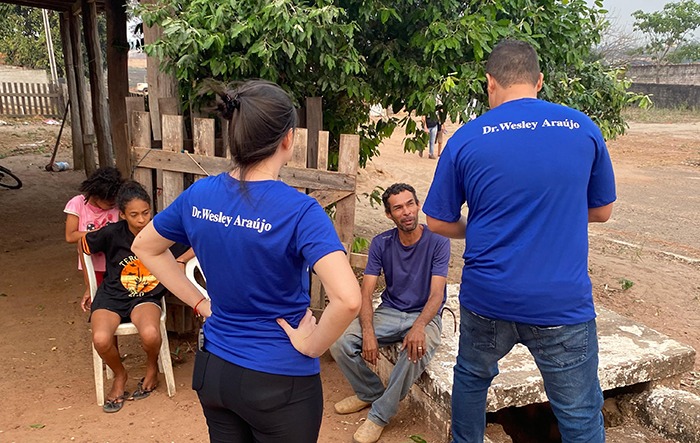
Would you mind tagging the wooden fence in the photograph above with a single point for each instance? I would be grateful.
(25, 99)
(167, 171)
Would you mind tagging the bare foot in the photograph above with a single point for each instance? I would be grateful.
(150, 380)
(118, 386)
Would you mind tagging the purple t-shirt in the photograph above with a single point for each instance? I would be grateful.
(408, 269)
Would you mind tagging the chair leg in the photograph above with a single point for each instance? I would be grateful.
(164, 360)
(99, 377)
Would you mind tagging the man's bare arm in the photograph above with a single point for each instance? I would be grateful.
(448, 229)
(600, 214)
(415, 339)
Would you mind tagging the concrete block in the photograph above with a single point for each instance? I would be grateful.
(630, 353)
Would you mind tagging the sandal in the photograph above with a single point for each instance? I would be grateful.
(140, 393)
(115, 404)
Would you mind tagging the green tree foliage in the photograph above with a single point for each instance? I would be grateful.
(669, 30)
(407, 54)
(23, 40)
(689, 52)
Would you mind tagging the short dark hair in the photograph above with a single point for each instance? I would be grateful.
(131, 190)
(395, 189)
(260, 115)
(104, 184)
(513, 62)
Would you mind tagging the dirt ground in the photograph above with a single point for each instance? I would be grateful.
(645, 264)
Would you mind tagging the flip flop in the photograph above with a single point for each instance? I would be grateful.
(115, 404)
(140, 393)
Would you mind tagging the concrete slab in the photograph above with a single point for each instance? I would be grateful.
(630, 353)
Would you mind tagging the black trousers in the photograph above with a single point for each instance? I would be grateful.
(246, 406)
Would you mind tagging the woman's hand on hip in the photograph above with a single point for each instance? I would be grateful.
(299, 335)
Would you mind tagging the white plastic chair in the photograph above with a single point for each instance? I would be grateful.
(165, 365)
(190, 268)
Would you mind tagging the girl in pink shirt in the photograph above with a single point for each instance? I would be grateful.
(93, 209)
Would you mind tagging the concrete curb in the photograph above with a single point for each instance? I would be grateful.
(672, 412)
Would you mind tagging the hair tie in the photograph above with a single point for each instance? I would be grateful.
(232, 103)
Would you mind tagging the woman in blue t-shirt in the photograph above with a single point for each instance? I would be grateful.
(256, 239)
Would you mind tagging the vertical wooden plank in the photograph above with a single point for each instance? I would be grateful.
(42, 91)
(166, 106)
(23, 103)
(225, 139)
(47, 101)
(316, 292)
(98, 85)
(118, 85)
(32, 94)
(160, 84)
(203, 136)
(2, 98)
(173, 137)
(75, 126)
(314, 124)
(133, 104)
(204, 139)
(300, 148)
(83, 104)
(299, 154)
(345, 208)
(140, 123)
(322, 159)
(18, 107)
(28, 97)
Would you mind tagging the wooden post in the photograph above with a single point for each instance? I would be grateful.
(133, 104)
(98, 85)
(141, 138)
(314, 124)
(83, 103)
(75, 126)
(173, 127)
(160, 84)
(118, 85)
(345, 208)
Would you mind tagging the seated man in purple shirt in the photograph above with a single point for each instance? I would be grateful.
(414, 261)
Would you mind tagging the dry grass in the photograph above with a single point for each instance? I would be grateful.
(659, 115)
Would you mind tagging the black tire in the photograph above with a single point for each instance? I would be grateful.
(8, 179)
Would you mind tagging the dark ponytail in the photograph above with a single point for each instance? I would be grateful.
(260, 115)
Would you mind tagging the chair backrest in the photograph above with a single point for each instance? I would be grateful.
(90, 270)
(190, 268)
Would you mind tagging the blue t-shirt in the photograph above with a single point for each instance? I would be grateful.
(255, 246)
(408, 269)
(528, 171)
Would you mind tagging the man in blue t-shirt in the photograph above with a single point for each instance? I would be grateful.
(533, 175)
(415, 262)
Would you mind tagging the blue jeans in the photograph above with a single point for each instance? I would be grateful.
(390, 326)
(567, 357)
(433, 135)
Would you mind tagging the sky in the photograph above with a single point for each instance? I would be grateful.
(623, 9)
(620, 12)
